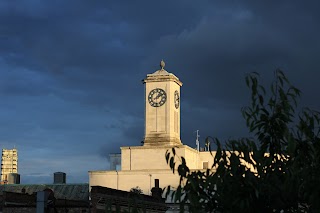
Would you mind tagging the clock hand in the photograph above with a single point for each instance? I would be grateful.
(158, 96)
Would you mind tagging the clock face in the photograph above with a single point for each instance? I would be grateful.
(157, 97)
(176, 99)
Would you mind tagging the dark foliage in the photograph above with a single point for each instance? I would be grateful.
(275, 170)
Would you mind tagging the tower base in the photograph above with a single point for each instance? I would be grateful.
(161, 141)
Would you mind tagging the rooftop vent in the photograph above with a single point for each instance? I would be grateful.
(59, 178)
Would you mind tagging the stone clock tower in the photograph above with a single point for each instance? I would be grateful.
(162, 108)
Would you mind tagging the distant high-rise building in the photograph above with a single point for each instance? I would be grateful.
(9, 163)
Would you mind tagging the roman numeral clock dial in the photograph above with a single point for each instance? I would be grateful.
(157, 97)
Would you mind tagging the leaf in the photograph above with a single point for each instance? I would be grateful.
(167, 189)
(247, 81)
(167, 156)
(281, 81)
(183, 161)
(173, 151)
(172, 163)
(261, 99)
(177, 196)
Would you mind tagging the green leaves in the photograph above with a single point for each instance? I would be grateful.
(277, 169)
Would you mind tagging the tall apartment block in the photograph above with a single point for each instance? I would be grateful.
(9, 164)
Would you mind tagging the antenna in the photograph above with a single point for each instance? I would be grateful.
(197, 141)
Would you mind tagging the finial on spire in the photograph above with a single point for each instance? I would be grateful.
(162, 64)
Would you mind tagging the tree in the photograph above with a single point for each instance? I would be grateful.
(276, 169)
(136, 190)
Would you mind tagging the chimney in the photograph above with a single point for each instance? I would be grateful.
(42, 199)
(59, 178)
(45, 200)
(156, 190)
(13, 178)
(156, 183)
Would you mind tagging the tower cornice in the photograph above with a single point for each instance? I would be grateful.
(161, 78)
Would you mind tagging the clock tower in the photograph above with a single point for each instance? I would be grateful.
(162, 108)
(142, 165)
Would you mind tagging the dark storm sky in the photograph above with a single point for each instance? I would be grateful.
(71, 71)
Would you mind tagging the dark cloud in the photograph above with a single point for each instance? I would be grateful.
(71, 71)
